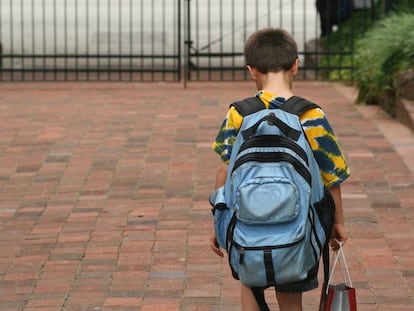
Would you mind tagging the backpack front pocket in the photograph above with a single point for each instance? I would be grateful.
(267, 200)
(267, 266)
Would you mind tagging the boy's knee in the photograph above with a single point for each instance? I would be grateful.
(248, 300)
(289, 301)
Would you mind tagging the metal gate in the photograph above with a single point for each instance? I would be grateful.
(141, 40)
(90, 40)
(217, 30)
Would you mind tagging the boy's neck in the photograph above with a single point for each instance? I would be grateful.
(278, 83)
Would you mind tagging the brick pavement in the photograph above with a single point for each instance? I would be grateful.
(103, 197)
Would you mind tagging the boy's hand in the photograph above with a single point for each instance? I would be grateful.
(214, 245)
(338, 235)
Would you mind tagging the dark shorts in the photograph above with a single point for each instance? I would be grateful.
(298, 287)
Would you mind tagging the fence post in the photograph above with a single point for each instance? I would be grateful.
(187, 43)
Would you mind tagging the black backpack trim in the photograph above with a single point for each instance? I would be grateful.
(248, 106)
(298, 105)
(295, 105)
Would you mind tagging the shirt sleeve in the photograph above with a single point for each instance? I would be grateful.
(328, 154)
(227, 134)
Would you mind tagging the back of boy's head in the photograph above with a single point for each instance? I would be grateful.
(270, 50)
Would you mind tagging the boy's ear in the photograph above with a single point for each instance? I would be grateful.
(253, 72)
(295, 67)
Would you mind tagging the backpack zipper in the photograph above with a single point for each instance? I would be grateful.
(269, 157)
(242, 249)
(274, 141)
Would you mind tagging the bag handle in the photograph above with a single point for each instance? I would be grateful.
(343, 265)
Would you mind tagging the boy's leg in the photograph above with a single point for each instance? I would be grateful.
(247, 299)
(286, 301)
(289, 301)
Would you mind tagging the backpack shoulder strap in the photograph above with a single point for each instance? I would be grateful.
(298, 105)
(248, 106)
(295, 105)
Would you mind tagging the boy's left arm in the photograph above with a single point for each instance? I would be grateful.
(332, 163)
(339, 233)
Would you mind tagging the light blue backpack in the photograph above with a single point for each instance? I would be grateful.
(273, 215)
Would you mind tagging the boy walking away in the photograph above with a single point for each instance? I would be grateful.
(282, 201)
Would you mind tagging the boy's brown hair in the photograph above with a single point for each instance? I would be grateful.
(271, 50)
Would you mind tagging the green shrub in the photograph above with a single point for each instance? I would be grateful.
(380, 54)
(340, 43)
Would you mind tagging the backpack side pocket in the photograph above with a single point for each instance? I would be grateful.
(222, 215)
(325, 209)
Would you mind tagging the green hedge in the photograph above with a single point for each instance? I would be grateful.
(354, 30)
(383, 51)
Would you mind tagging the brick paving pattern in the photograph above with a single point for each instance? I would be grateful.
(104, 187)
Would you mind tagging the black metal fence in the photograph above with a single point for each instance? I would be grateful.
(218, 29)
(90, 40)
(157, 40)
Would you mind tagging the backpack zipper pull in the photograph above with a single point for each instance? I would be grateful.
(241, 258)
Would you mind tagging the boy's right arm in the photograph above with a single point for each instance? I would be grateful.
(221, 176)
(222, 145)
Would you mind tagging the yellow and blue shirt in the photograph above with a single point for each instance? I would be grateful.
(332, 164)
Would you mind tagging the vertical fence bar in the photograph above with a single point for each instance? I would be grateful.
(269, 14)
(120, 75)
(177, 43)
(152, 37)
(108, 38)
(44, 38)
(280, 13)
(131, 40)
(329, 46)
(11, 38)
(98, 37)
(221, 41)
(142, 36)
(163, 34)
(55, 50)
(22, 46)
(65, 28)
(33, 26)
(87, 39)
(304, 36)
(209, 36)
(292, 18)
(316, 53)
(1, 45)
(245, 33)
(187, 43)
(352, 45)
(76, 48)
(233, 31)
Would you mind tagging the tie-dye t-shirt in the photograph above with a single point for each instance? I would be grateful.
(328, 154)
